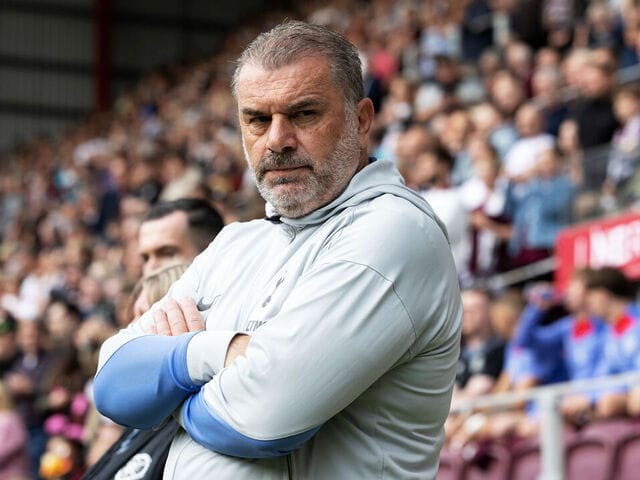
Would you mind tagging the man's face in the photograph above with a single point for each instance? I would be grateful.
(165, 240)
(475, 313)
(302, 143)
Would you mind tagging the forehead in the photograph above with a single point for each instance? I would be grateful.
(171, 229)
(259, 87)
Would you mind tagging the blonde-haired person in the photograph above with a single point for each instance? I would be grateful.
(13, 447)
(152, 287)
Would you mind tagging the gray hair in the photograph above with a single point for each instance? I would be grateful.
(291, 41)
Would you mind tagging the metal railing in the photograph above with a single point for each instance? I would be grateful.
(552, 455)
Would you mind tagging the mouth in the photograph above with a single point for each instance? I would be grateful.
(285, 172)
(286, 169)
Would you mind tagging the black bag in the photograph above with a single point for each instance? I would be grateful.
(136, 455)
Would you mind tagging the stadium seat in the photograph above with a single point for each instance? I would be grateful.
(450, 466)
(612, 429)
(524, 463)
(626, 464)
(589, 458)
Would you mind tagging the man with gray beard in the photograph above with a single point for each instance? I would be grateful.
(321, 342)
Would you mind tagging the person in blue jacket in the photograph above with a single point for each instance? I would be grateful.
(569, 348)
(610, 296)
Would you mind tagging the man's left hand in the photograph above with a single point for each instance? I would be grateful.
(176, 318)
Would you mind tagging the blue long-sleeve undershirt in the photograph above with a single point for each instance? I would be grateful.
(147, 379)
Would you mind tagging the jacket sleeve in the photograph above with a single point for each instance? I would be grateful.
(341, 328)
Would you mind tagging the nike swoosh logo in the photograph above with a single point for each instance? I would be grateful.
(203, 305)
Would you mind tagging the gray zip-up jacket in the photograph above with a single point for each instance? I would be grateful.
(354, 315)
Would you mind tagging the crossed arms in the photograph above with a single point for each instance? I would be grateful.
(279, 385)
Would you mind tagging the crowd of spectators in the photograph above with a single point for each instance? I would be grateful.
(507, 115)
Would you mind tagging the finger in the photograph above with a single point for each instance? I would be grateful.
(161, 322)
(177, 323)
(191, 314)
(152, 329)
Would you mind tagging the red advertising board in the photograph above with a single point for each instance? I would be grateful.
(614, 242)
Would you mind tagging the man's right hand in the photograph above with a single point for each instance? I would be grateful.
(176, 318)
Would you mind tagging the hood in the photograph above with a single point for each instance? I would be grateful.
(379, 177)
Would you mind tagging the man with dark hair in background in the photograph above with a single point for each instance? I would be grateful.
(325, 341)
(171, 233)
(176, 231)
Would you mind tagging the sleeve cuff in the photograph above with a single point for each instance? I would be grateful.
(206, 353)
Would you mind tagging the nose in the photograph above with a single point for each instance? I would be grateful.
(281, 135)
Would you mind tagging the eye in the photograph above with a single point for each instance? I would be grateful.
(260, 120)
(167, 252)
(304, 114)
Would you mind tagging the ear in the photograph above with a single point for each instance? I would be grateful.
(365, 114)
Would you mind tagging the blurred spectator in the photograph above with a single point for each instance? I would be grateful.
(28, 381)
(485, 196)
(449, 88)
(181, 180)
(41, 276)
(13, 461)
(61, 319)
(570, 346)
(477, 29)
(480, 364)
(630, 16)
(546, 85)
(482, 354)
(446, 202)
(176, 231)
(8, 344)
(62, 459)
(593, 114)
(507, 93)
(520, 163)
(519, 61)
(624, 158)
(112, 457)
(440, 36)
(610, 297)
(603, 27)
(397, 107)
(517, 374)
(410, 145)
(540, 208)
(488, 122)
(454, 134)
(557, 18)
